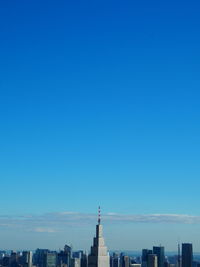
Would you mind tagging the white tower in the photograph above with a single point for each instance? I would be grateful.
(99, 256)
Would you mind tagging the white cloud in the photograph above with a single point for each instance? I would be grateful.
(44, 230)
(53, 222)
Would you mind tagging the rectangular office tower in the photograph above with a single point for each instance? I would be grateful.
(145, 253)
(160, 252)
(187, 255)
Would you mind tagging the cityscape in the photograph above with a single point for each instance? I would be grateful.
(99, 256)
(100, 107)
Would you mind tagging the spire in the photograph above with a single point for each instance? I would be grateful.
(99, 215)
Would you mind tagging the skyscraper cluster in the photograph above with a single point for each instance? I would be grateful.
(98, 256)
(156, 257)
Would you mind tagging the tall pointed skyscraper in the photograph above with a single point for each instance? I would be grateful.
(99, 256)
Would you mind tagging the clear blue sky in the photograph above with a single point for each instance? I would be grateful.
(99, 104)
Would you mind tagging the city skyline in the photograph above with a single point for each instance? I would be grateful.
(55, 228)
(99, 256)
(99, 105)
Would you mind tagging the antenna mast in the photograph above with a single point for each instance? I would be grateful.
(99, 215)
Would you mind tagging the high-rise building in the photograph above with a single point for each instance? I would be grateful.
(27, 259)
(152, 260)
(65, 256)
(145, 253)
(84, 260)
(115, 260)
(160, 252)
(50, 259)
(76, 262)
(13, 260)
(39, 257)
(125, 261)
(187, 255)
(99, 256)
(68, 254)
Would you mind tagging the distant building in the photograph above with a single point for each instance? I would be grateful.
(68, 254)
(64, 257)
(2, 254)
(145, 253)
(125, 261)
(27, 258)
(39, 257)
(99, 256)
(76, 262)
(5, 261)
(187, 255)
(77, 254)
(116, 262)
(84, 260)
(160, 252)
(152, 260)
(13, 260)
(50, 259)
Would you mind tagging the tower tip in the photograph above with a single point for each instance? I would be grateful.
(99, 215)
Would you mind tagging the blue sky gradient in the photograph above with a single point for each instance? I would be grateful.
(99, 104)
